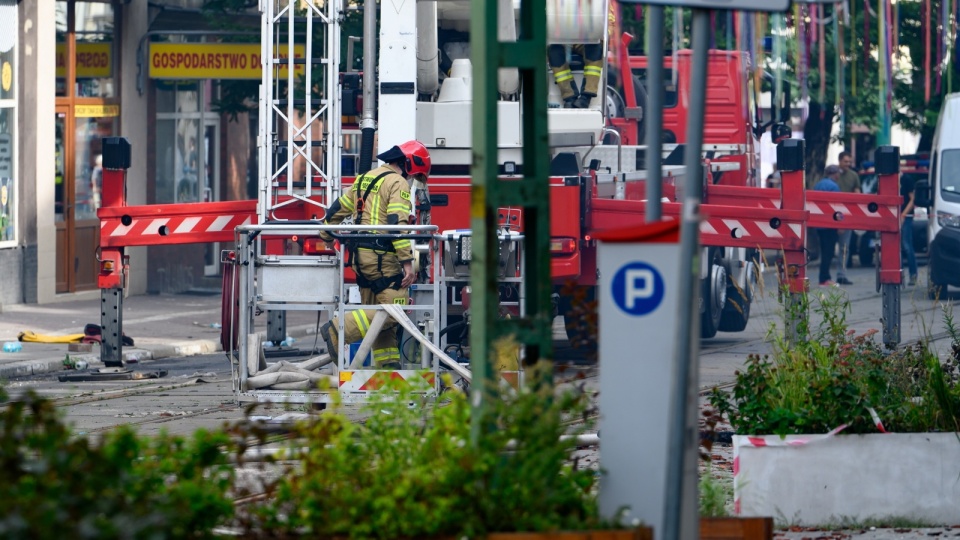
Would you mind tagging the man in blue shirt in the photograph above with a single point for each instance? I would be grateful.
(828, 237)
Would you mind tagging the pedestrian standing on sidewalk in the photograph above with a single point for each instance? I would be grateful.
(774, 178)
(849, 182)
(828, 237)
(907, 191)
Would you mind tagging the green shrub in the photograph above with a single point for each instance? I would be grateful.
(829, 377)
(54, 485)
(410, 471)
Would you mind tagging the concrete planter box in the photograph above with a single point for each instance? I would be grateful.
(641, 533)
(819, 480)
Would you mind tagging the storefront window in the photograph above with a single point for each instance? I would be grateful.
(62, 30)
(94, 52)
(8, 122)
(185, 143)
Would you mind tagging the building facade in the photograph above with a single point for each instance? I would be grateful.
(75, 71)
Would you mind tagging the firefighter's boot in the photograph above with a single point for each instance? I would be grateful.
(328, 334)
(582, 101)
(570, 95)
(592, 71)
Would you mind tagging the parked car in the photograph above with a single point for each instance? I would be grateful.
(942, 193)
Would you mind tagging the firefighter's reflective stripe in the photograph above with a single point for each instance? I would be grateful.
(386, 354)
(362, 323)
(401, 244)
(399, 208)
(591, 77)
(347, 203)
(563, 75)
(375, 212)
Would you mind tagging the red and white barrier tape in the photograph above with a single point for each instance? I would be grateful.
(876, 420)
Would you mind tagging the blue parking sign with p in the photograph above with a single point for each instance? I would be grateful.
(637, 288)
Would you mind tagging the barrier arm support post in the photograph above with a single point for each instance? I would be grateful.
(114, 264)
(890, 275)
(793, 265)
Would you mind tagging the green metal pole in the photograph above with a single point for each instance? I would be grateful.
(483, 277)
(530, 192)
(533, 191)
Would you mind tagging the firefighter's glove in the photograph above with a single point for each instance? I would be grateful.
(326, 237)
(408, 275)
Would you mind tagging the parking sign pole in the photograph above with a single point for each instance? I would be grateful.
(681, 499)
(653, 113)
(637, 305)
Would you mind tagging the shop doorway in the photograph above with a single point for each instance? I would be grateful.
(87, 110)
(78, 182)
(188, 152)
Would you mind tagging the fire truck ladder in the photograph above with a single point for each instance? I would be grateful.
(299, 133)
(300, 99)
(298, 141)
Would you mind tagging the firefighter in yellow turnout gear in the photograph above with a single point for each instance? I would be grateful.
(384, 268)
(592, 54)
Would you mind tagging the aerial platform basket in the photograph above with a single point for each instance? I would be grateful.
(267, 282)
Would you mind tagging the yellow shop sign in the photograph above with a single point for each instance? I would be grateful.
(211, 60)
(94, 60)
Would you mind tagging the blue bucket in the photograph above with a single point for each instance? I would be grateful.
(354, 347)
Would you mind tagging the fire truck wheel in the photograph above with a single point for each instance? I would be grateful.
(614, 103)
(714, 297)
(736, 310)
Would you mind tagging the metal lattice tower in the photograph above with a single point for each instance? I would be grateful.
(299, 133)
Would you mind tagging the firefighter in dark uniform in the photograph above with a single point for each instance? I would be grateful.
(384, 267)
(573, 97)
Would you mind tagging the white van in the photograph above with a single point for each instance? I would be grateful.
(942, 193)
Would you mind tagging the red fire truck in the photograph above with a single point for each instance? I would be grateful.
(586, 174)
